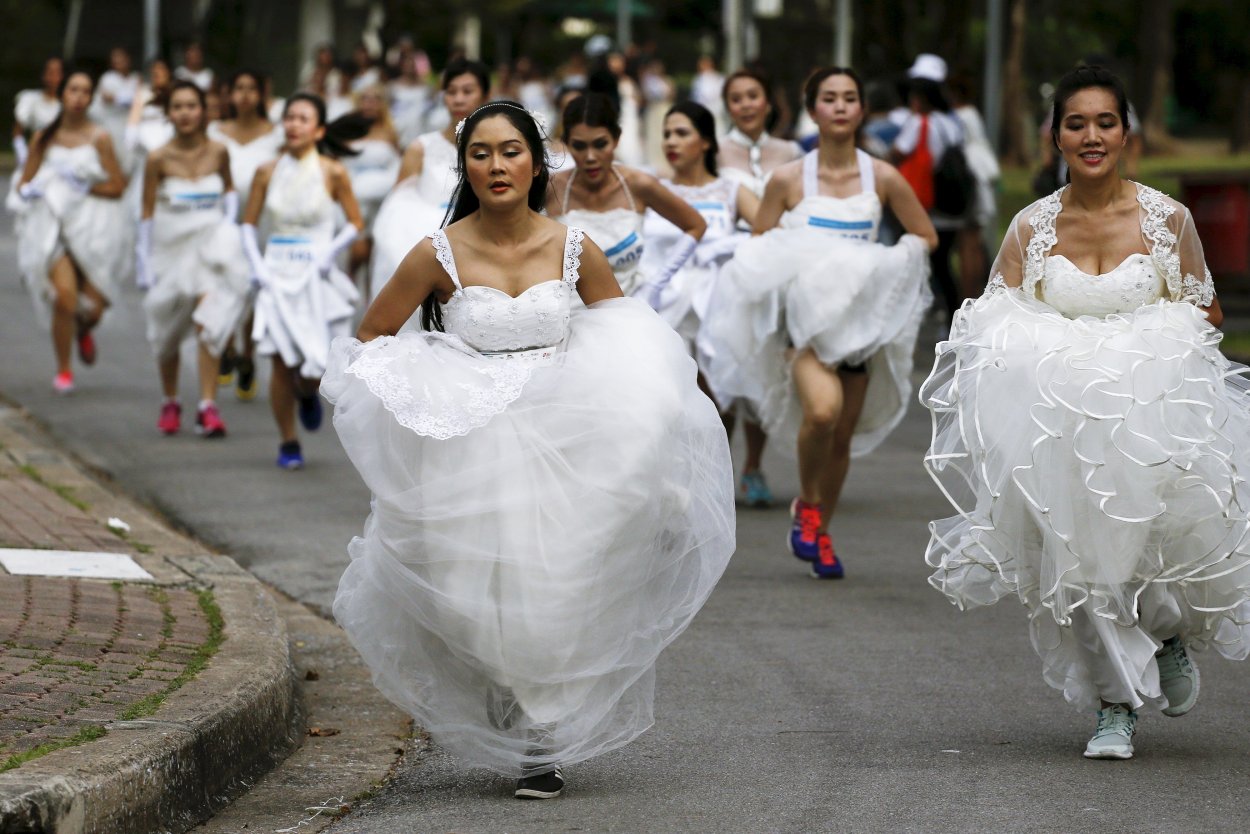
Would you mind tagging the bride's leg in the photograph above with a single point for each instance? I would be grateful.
(854, 387)
(821, 396)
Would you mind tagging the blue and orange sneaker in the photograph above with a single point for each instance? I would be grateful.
(827, 564)
(805, 530)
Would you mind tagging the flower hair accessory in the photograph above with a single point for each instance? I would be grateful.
(538, 118)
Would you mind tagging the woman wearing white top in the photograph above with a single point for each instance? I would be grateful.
(374, 169)
(34, 110)
(114, 95)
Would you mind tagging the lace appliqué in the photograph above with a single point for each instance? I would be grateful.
(573, 255)
(442, 251)
(1154, 227)
(1042, 240)
(996, 284)
(450, 400)
(1200, 292)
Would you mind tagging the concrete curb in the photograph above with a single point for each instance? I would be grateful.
(209, 739)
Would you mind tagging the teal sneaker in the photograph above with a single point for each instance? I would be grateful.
(1114, 737)
(755, 491)
(1178, 677)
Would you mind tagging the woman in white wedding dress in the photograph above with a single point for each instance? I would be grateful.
(552, 493)
(188, 259)
(73, 238)
(1094, 440)
(609, 200)
(820, 320)
(418, 203)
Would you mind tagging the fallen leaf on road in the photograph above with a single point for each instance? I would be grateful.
(323, 732)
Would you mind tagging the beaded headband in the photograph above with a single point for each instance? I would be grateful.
(537, 117)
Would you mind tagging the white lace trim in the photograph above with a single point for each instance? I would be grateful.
(1154, 227)
(573, 255)
(442, 251)
(995, 284)
(1042, 241)
(1198, 291)
(454, 411)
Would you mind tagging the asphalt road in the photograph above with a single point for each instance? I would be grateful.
(868, 704)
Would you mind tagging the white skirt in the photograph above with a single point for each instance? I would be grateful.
(402, 221)
(542, 526)
(1098, 467)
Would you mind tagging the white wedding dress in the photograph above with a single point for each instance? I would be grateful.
(1096, 444)
(617, 231)
(821, 281)
(552, 504)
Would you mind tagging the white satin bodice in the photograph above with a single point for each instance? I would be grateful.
(493, 322)
(438, 169)
(857, 217)
(618, 232)
(1134, 283)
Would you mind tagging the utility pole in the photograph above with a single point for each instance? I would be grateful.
(151, 30)
(624, 24)
(843, 26)
(993, 92)
(732, 16)
(70, 44)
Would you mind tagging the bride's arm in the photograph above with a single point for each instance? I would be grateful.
(1196, 284)
(419, 275)
(596, 281)
(905, 204)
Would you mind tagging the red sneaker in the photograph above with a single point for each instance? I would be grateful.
(86, 345)
(171, 418)
(826, 565)
(63, 383)
(208, 422)
(804, 529)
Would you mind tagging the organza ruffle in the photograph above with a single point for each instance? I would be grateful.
(1098, 469)
(517, 580)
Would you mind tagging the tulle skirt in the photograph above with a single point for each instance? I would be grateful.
(201, 279)
(404, 218)
(1098, 469)
(542, 526)
(849, 301)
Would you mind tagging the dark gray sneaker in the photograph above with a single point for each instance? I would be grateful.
(546, 785)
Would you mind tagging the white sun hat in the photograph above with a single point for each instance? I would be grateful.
(928, 66)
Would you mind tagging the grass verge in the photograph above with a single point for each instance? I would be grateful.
(89, 733)
(216, 634)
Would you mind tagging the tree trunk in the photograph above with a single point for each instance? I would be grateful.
(1156, 45)
(1015, 110)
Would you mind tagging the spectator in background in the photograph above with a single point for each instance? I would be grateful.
(115, 93)
(658, 93)
(409, 91)
(321, 74)
(706, 89)
(532, 89)
(193, 68)
(880, 130)
(983, 165)
(36, 109)
(364, 71)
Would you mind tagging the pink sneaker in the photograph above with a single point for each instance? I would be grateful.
(63, 382)
(171, 418)
(208, 422)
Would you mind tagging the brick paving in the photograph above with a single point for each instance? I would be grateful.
(79, 652)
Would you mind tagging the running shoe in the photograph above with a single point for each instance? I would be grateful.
(63, 382)
(546, 785)
(827, 565)
(225, 369)
(804, 531)
(310, 412)
(755, 491)
(170, 420)
(1178, 677)
(245, 387)
(1114, 737)
(208, 422)
(290, 456)
(86, 347)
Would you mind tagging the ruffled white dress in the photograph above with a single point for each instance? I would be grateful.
(685, 302)
(373, 172)
(94, 231)
(246, 157)
(299, 311)
(552, 504)
(821, 281)
(197, 261)
(1096, 445)
(413, 210)
(618, 232)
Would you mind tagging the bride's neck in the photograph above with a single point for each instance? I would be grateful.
(1095, 195)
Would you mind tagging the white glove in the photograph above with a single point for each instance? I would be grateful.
(144, 279)
(20, 151)
(31, 191)
(230, 207)
(685, 247)
(259, 273)
(323, 259)
(74, 181)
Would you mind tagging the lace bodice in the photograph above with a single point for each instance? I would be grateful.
(491, 321)
(1133, 283)
(297, 202)
(857, 217)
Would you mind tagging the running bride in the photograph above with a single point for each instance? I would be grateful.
(1094, 441)
(552, 494)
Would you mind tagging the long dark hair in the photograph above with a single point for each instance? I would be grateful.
(45, 138)
(592, 110)
(338, 133)
(465, 201)
(262, 104)
(705, 123)
(1082, 78)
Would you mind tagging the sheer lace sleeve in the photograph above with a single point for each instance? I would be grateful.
(1008, 268)
(1196, 286)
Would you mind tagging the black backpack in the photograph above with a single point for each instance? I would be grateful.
(954, 187)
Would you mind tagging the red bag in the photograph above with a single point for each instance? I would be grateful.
(917, 168)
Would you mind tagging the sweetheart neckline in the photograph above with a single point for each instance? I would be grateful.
(507, 295)
(1111, 271)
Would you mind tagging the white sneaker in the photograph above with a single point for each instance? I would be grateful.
(1114, 737)
(1178, 677)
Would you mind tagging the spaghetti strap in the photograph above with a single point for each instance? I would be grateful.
(811, 182)
(442, 251)
(628, 194)
(568, 188)
(867, 176)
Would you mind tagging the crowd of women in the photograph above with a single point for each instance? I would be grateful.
(555, 348)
